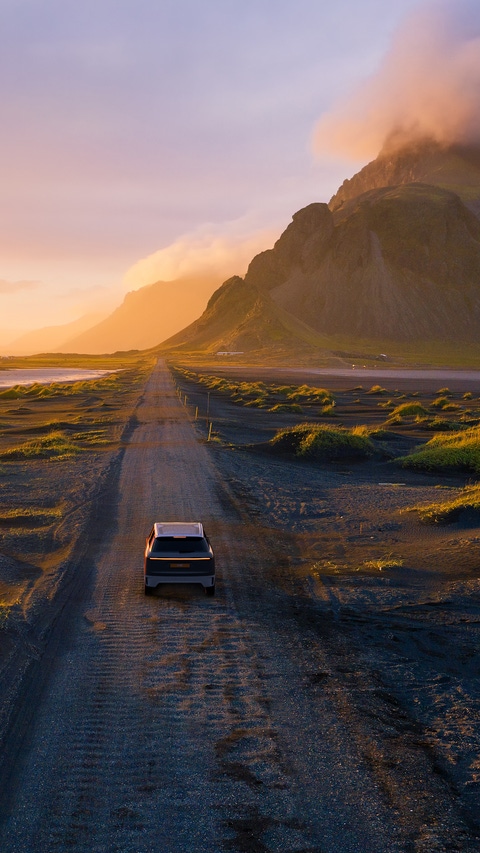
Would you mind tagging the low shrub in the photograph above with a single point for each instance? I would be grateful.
(257, 403)
(259, 394)
(371, 431)
(53, 445)
(377, 389)
(310, 394)
(440, 403)
(319, 441)
(328, 411)
(409, 410)
(441, 425)
(456, 450)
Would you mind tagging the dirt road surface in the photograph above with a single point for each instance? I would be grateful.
(181, 722)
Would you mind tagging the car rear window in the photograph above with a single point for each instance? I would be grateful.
(175, 545)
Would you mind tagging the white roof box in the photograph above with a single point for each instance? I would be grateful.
(178, 528)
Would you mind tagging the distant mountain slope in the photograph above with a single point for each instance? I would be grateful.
(456, 168)
(50, 338)
(145, 317)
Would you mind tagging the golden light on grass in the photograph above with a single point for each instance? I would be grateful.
(55, 445)
(319, 441)
(388, 561)
(455, 450)
(276, 398)
(448, 511)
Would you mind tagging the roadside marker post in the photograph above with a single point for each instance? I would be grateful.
(209, 432)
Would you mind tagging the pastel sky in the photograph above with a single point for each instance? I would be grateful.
(142, 137)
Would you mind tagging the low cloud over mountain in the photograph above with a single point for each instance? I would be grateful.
(426, 87)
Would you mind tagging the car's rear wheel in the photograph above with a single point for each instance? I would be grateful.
(210, 590)
(148, 590)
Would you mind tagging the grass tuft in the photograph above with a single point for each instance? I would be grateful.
(446, 451)
(322, 442)
(4, 615)
(386, 562)
(259, 394)
(377, 389)
(442, 403)
(446, 512)
(51, 446)
(293, 408)
(30, 512)
(409, 410)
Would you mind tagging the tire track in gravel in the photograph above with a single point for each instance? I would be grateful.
(179, 722)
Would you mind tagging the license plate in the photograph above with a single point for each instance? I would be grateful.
(179, 565)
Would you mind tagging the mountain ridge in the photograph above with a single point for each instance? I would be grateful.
(394, 256)
(455, 168)
(399, 263)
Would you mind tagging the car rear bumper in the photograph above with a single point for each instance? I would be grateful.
(154, 580)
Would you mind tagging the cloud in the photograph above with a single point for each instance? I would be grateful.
(426, 87)
(15, 286)
(215, 252)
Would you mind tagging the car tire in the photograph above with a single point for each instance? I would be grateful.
(210, 590)
(149, 590)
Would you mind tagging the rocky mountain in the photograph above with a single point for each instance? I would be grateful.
(399, 263)
(456, 168)
(240, 317)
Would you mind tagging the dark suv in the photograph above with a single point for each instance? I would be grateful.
(179, 552)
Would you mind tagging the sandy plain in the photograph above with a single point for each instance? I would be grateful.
(407, 634)
(324, 701)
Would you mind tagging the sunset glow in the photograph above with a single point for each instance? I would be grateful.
(142, 142)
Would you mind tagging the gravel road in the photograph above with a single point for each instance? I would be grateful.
(181, 722)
